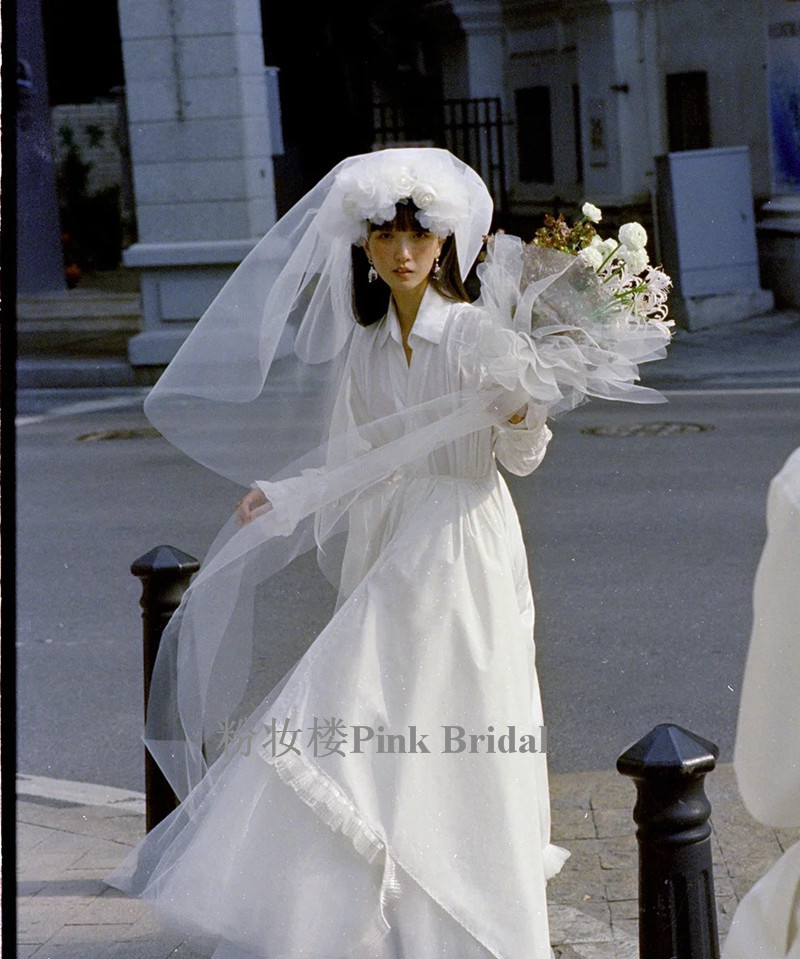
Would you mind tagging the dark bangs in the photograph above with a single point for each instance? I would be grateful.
(405, 219)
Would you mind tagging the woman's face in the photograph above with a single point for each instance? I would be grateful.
(403, 258)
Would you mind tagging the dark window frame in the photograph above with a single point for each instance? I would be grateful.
(534, 115)
(688, 111)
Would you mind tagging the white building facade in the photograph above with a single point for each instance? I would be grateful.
(594, 92)
(592, 95)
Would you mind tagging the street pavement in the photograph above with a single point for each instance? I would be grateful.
(70, 835)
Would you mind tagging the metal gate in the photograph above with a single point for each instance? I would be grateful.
(472, 129)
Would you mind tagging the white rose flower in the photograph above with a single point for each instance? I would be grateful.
(591, 212)
(401, 184)
(636, 260)
(423, 196)
(633, 236)
(592, 256)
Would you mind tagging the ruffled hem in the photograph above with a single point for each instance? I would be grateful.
(333, 807)
(327, 801)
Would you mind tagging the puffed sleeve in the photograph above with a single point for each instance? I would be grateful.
(489, 357)
(520, 447)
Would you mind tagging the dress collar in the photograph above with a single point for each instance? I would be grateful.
(429, 324)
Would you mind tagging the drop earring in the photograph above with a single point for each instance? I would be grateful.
(372, 275)
(437, 270)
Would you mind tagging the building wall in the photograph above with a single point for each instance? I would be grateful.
(542, 59)
(199, 127)
(620, 54)
(728, 40)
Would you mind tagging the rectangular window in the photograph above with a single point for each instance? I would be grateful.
(688, 115)
(534, 135)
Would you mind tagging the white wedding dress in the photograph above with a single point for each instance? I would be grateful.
(429, 846)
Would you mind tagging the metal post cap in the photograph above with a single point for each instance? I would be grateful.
(668, 750)
(165, 559)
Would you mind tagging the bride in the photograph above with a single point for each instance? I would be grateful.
(394, 802)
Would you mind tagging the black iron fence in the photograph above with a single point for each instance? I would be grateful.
(472, 129)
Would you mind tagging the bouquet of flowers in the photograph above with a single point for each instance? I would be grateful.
(629, 285)
(584, 311)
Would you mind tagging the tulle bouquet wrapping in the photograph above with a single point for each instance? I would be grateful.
(585, 311)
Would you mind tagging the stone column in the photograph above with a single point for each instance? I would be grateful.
(619, 118)
(484, 50)
(198, 119)
(477, 73)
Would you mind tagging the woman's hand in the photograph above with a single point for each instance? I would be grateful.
(249, 505)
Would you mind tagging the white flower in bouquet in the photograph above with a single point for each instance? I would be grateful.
(592, 213)
(604, 247)
(629, 288)
(635, 259)
(593, 255)
(633, 236)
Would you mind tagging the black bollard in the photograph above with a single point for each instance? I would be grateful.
(677, 906)
(165, 573)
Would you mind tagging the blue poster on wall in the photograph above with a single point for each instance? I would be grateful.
(784, 94)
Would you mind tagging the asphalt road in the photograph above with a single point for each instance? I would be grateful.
(643, 544)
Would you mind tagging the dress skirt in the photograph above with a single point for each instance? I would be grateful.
(392, 801)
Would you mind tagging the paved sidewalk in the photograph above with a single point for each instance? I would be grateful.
(758, 352)
(70, 835)
(78, 339)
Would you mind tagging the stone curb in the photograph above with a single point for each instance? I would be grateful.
(65, 373)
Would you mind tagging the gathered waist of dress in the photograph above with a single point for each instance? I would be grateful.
(404, 476)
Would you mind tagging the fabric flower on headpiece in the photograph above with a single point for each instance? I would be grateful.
(400, 181)
(365, 198)
(423, 195)
(368, 191)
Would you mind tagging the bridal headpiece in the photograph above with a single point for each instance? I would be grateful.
(286, 313)
(370, 189)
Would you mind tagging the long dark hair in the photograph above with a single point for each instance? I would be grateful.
(371, 300)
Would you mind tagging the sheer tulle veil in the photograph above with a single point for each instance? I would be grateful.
(272, 349)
